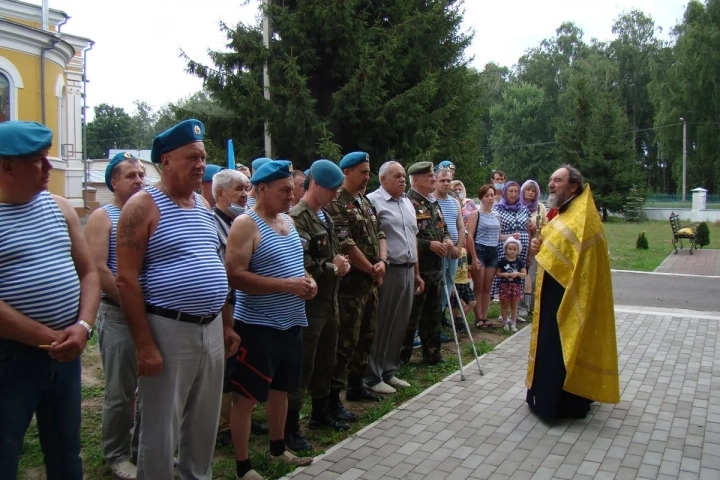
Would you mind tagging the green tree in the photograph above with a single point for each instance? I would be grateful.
(111, 127)
(592, 132)
(387, 77)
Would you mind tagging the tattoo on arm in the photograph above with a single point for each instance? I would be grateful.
(127, 227)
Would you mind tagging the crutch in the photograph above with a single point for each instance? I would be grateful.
(452, 322)
(467, 328)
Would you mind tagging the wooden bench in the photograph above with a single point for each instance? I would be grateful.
(681, 233)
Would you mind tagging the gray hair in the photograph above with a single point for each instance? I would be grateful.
(225, 178)
(575, 178)
(386, 166)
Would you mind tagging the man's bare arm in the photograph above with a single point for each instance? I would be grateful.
(20, 328)
(97, 234)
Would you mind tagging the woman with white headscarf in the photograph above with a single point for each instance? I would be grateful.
(530, 198)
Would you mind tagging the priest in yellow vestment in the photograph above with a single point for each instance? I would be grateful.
(573, 349)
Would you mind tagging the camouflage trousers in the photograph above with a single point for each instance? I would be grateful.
(319, 346)
(426, 317)
(358, 302)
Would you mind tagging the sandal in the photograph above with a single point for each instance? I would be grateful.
(481, 324)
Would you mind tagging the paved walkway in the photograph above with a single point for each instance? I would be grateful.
(701, 262)
(667, 425)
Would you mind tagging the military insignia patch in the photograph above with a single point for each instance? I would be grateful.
(290, 167)
(127, 155)
(196, 129)
(303, 242)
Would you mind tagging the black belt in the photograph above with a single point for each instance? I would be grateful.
(180, 316)
(110, 301)
(402, 265)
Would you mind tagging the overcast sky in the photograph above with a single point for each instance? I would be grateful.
(137, 42)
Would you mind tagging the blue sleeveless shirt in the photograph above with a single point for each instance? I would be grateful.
(450, 209)
(37, 272)
(279, 256)
(182, 269)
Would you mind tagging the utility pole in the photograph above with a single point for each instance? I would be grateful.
(266, 76)
(684, 173)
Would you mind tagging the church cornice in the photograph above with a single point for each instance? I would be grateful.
(29, 40)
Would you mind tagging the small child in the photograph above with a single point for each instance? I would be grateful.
(510, 270)
(464, 290)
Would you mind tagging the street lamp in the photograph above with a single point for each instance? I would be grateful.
(684, 172)
(266, 76)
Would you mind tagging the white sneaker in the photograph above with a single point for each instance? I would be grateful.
(396, 382)
(251, 475)
(381, 388)
(521, 319)
(124, 470)
(514, 329)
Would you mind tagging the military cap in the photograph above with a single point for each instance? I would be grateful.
(327, 174)
(259, 162)
(445, 164)
(18, 139)
(185, 132)
(119, 157)
(271, 171)
(420, 167)
(354, 158)
(210, 170)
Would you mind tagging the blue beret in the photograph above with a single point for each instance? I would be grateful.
(210, 170)
(259, 162)
(185, 132)
(327, 174)
(18, 139)
(271, 171)
(354, 158)
(119, 157)
(445, 164)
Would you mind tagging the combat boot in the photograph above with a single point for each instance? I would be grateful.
(337, 410)
(293, 437)
(356, 391)
(321, 416)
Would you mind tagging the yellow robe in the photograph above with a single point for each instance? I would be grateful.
(574, 252)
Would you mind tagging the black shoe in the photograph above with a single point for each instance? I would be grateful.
(224, 439)
(321, 416)
(337, 410)
(355, 394)
(258, 428)
(434, 360)
(460, 325)
(293, 437)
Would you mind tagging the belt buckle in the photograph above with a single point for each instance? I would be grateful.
(202, 319)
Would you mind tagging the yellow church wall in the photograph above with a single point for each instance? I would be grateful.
(56, 185)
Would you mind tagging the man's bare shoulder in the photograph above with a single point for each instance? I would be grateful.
(99, 219)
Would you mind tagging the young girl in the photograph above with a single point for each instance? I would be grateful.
(511, 270)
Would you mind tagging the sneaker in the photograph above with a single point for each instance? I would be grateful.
(444, 338)
(124, 470)
(521, 319)
(416, 342)
(251, 475)
(381, 388)
(396, 382)
(294, 460)
(514, 329)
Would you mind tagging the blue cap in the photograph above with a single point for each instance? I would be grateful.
(445, 164)
(18, 139)
(210, 170)
(271, 171)
(185, 132)
(354, 158)
(119, 157)
(259, 162)
(327, 174)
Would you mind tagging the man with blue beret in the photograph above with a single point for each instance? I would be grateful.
(166, 242)
(256, 164)
(264, 261)
(49, 296)
(327, 265)
(124, 176)
(210, 171)
(362, 240)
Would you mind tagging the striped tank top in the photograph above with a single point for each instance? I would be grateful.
(279, 256)
(488, 229)
(114, 213)
(183, 270)
(450, 211)
(250, 202)
(37, 272)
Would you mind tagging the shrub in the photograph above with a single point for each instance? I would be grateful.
(702, 235)
(642, 242)
(634, 202)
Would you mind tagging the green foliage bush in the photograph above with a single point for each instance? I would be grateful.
(702, 235)
(642, 242)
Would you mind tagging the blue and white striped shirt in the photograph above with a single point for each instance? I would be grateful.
(114, 213)
(279, 256)
(450, 209)
(250, 202)
(37, 272)
(183, 270)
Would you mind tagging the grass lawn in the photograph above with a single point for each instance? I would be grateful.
(419, 375)
(621, 239)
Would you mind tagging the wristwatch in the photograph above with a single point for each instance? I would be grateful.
(87, 326)
(385, 261)
(335, 268)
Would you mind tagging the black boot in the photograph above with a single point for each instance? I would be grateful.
(293, 437)
(354, 394)
(258, 428)
(337, 410)
(321, 416)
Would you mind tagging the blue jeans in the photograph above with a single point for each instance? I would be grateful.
(450, 268)
(31, 383)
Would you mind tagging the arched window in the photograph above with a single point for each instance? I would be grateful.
(4, 98)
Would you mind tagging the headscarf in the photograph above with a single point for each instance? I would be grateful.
(532, 206)
(504, 204)
(454, 184)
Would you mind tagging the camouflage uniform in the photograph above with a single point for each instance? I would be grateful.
(356, 225)
(426, 315)
(320, 245)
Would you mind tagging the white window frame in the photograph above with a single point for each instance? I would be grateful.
(13, 75)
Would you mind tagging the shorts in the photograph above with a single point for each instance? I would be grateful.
(465, 292)
(268, 359)
(488, 256)
(511, 291)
